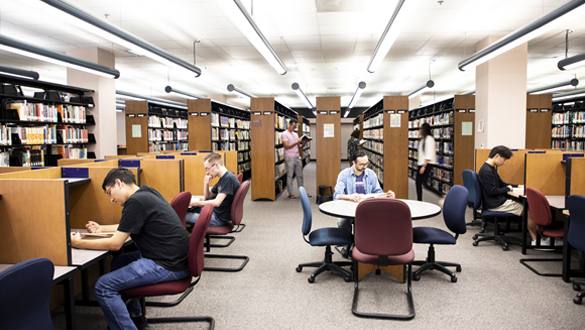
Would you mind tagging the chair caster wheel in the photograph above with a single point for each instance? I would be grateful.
(454, 279)
(458, 269)
(347, 278)
(577, 300)
(576, 287)
(416, 277)
(474, 237)
(299, 269)
(505, 247)
(311, 279)
(475, 243)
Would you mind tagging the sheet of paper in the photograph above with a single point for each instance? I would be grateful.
(394, 120)
(467, 128)
(136, 131)
(328, 130)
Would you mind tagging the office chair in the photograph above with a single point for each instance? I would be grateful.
(474, 198)
(180, 204)
(498, 236)
(576, 236)
(383, 237)
(542, 216)
(184, 285)
(237, 213)
(454, 216)
(240, 177)
(24, 295)
(323, 237)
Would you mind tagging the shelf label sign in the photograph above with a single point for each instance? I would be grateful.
(333, 112)
(402, 111)
(395, 120)
(194, 114)
(257, 122)
(131, 115)
(140, 115)
(328, 130)
(471, 110)
(461, 110)
(322, 112)
(466, 128)
(204, 114)
(257, 113)
(390, 111)
(544, 109)
(267, 113)
(533, 110)
(136, 131)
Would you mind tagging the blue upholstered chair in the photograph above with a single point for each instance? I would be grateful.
(474, 197)
(454, 216)
(497, 236)
(576, 236)
(24, 295)
(323, 237)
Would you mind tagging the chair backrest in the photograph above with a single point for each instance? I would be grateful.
(196, 249)
(307, 213)
(454, 209)
(576, 206)
(240, 177)
(24, 295)
(180, 204)
(478, 193)
(472, 188)
(382, 227)
(539, 207)
(237, 212)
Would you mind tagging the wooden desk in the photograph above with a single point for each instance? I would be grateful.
(62, 275)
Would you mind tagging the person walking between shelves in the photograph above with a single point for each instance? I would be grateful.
(220, 196)
(427, 157)
(353, 145)
(294, 165)
(163, 246)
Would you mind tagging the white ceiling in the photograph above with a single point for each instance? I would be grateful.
(326, 52)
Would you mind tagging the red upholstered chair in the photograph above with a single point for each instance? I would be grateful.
(240, 177)
(184, 285)
(383, 237)
(542, 216)
(237, 213)
(180, 204)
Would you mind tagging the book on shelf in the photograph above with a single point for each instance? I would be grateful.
(362, 141)
(305, 137)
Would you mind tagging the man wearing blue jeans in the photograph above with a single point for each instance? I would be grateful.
(162, 241)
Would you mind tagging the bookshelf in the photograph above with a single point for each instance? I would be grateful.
(328, 141)
(538, 120)
(452, 125)
(385, 129)
(221, 127)
(40, 129)
(568, 125)
(152, 128)
(304, 128)
(269, 119)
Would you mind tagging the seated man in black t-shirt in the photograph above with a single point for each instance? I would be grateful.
(222, 193)
(163, 246)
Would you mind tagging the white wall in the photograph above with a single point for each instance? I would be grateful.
(121, 129)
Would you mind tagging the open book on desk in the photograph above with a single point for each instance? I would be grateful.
(96, 235)
(380, 195)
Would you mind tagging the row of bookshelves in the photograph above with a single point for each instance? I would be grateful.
(568, 118)
(569, 106)
(167, 122)
(445, 118)
(49, 113)
(244, 167)
(374, 146)
(375, 121)
(375, 159)
(442, 175)
(243, 156)
(22, 157)
(279, 170)
(221, 121)
(375, 134)
(568, 145)
(70, 152)
(379, 172)
(48, 134)
(166, 135)
(225, 146)
(158, 147)
(568, 131)
(277, 137)
(278, 154)
(244, 145)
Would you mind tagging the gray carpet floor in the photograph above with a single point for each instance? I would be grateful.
(493, 290)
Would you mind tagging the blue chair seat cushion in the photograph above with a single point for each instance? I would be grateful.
(494, 214)
(431, 235)
(330, 236)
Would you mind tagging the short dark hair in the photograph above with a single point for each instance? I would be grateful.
(356, 133)
(426, 129)
(358, 154)
(503, 151)
(292, 120)
(214, 158)
(119, 173)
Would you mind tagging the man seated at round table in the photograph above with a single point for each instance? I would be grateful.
(353, 184)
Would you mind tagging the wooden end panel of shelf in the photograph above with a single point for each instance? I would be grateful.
(328, 149)
(546, 173)
(577, 176)
(262, 153)
(164, 175)
(135, 145)
(396, 147)
(464, 145)
(32, 232)
(538, 124)
(199, 126)
(361, 126)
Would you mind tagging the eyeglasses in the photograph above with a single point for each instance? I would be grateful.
(210, 167)
(363, 164)
(108, 191)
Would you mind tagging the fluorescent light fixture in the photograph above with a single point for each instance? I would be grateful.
(120, 104)
(551, 88)
(315, 113)
(429, 84)
(19, 73)
(571, 62)
(358, 92)
(562, 14)
(121, 37)
(244, 22)
(346, 113)
(569, 95)
(469, 93)
(163, 102)
(20, 48)
(402, 13)
(302, 95)
(175, 91)
(240, 93)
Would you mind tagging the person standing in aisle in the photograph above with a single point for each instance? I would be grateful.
(353, 145)
(427, 157)
(292, 143)
(162, 241)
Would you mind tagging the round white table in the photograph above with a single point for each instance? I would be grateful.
(346, 209)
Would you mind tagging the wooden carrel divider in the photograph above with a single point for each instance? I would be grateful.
(512, 172)
(546, 173)
(576, 176)
(164, 175)
(328, 148)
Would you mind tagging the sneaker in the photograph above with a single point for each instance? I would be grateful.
(140, 323)
(545, 244)
(345, 251)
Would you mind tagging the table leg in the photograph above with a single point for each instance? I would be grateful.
(85, 285)
(69, 303)
(524, 226)
(566, 251)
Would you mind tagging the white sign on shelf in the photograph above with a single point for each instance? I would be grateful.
(467, 128)
(136, 131)
(328, 130)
